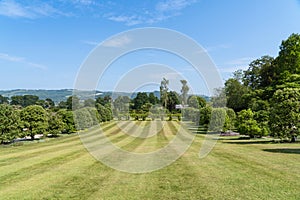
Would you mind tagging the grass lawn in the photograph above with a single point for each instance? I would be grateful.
(235, 169)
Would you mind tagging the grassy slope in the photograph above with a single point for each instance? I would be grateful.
(63, 169)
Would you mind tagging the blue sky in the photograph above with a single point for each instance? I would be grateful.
(44, 43)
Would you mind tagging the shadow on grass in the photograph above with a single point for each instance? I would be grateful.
(234, 138)
(284, 150)
(251, 141)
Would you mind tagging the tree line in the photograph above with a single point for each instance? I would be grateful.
(27, 115)
(266, 96)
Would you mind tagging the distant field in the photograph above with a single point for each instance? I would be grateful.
(235, 169)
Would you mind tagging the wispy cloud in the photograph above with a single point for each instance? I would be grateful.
(236, 64)
(88, 42)
(16, 59)
(161, 11)
(84, 2)
(11, 8)
(173, 5)
(232, 68)
(240, 61)
(218, 47)
(117, 42)
(143, 12)
(129, 20)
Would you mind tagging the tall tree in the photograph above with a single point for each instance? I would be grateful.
(140, 100)
(153, 99)
(184, 92)
(235, 92)
(173, 99)
(164, 92)
(260, 73)
(289, 55)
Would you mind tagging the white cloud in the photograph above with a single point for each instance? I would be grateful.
(85, 2)
(93, 43)
(218, 47)
(142, 13)
(129, 20)
(240, 61)
(11, 8)
(236, 64)
(22, 60)
(161, 11)
(173, 5)
(7, 57)
(117, 42)
(232, 69)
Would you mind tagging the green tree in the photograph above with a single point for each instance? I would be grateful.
(217, 120)
(260, 73)
(285, 113)
(289, 56)
(235, 93)
(246, 124)
(3, 100)
(9, 123)
(89, 103)
(184, 92)
(153, 99)
(67, 118)
(73, 103)
(47, 103)
(105, 113)
(34, 118)
(205, 114)
(140, 100)
(55, 124)
(104, 100)
(62, 105)
(193, 101)
(121, 106)
(82, 119)
(219, 98)
(24, 101)
(164, 92)
(230, 119)
(201, 102)
(173, 100)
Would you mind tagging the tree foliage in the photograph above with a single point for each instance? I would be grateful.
(9, 123)
(285, 113)
(164, 92)
(34, 119)
(246, 124)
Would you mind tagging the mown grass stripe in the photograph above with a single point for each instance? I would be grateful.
(43, 151)
(34, 160)
(40, 167)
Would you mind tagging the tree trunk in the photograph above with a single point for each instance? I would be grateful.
(293, 139)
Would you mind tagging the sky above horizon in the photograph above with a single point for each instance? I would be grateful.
(44, 43)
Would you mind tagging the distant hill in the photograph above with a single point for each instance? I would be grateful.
(62, 94)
